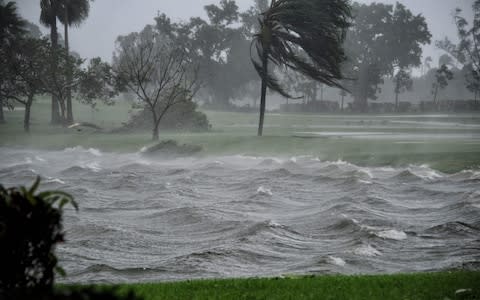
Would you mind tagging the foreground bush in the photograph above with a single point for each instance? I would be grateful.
(30, 228)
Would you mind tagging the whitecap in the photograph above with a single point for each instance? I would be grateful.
(95, 152)
(73, 149)
(366, 172)
(367, 250)
(39, 158)
(273, 224)
(392, 235)
(425, 172)
(143, 149)
(94, 166)
(365, 181)
(55, 180)
(336, 261)
(264, 191)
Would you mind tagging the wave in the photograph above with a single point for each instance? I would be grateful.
(392, 234)
(80, 149)
(454, 229)
(263, 191)
(336, 261)
(367, 250)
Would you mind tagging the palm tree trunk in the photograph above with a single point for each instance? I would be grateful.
(54, 38)
(2, 117)
(263, 96)
(69, 71)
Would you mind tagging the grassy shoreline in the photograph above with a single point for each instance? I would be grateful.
(433, 144)
(441, 285)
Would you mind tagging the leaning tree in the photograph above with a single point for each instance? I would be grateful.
(157, 70)
(305, 36)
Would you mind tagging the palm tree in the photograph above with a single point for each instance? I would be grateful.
(303, 35)
(11, 27)
(48, 17)
(72, 12)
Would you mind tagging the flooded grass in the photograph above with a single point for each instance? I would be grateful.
(449, 143)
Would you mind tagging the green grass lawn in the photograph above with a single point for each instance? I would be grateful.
(441, 286)
(285, 135)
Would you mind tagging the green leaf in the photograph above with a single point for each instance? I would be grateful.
(34, 186)
(60, 271)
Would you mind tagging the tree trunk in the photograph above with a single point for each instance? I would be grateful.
(435, 97)
(156, 133)
(156, 125)
(69, 72)
(54, 38)
(2, 116)
(63, 117)
(26, 120)
(343, 98)
(360, 104)
(396, 101)
(263, 93)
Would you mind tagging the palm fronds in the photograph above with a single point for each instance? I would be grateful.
(305, 36)
(77, 11)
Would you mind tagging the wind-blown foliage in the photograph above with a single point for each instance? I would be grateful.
(467, 51)
(11, 26)
(305, 36)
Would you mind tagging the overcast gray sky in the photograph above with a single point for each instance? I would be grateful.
(111, 18)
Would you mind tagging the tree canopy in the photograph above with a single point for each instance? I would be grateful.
(384, 38)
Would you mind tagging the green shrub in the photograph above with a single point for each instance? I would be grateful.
(30, 226)
(182, 116)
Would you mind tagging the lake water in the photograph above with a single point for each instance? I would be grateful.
(146, 219)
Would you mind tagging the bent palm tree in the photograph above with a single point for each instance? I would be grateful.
(303, 35)
(72, 12)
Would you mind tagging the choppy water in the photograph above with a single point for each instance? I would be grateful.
(151, 219)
